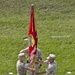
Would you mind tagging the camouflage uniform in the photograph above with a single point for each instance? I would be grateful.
(20, 68)
(51, 70)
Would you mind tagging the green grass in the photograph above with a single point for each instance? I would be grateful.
(53, 18)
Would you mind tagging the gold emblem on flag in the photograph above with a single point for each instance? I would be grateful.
(31, 40)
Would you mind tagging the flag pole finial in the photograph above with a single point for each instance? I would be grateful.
(32, 5)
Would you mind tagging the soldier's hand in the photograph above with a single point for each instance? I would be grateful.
(41, 61)
(33, 70)
(34, 58)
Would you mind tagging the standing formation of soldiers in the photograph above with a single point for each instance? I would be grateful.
(23, 67)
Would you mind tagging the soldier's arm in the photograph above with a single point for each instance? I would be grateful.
(43, 62)
(29, 68)
(48, 70)
(24, 50)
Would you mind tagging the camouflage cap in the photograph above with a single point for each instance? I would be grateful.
(51, 56)
(21, 55)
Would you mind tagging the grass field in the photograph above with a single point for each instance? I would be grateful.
(55, 21)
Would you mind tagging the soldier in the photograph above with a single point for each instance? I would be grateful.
(21, 66)
(51, 70)
(38, 58)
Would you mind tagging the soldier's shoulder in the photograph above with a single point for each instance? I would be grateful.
(18, 61)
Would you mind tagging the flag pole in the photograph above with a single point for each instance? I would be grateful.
(32, 34)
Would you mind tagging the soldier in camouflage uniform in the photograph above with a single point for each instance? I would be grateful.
(38, 58)
(51, 70)
(21, 66)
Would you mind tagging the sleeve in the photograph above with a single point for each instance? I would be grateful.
(46, 61)
(25, 50)
(47, 70)
(21, 65)
(26, 65)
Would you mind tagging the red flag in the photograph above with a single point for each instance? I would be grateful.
(32, 35)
